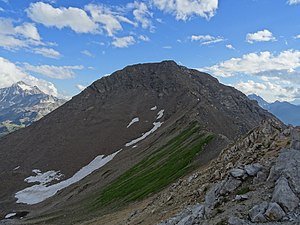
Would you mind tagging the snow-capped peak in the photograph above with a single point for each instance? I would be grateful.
(24, 86)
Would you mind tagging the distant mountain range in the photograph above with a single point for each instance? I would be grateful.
(22, 104)
(285, 111)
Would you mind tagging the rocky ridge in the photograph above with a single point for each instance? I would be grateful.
(255, 181)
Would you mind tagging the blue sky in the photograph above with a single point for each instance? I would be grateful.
(63, 46)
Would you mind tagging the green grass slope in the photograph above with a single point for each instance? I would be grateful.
(167, 164)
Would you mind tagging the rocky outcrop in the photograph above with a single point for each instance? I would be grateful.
(284, 195)
(265, 191)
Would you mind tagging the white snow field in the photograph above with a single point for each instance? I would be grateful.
(40, 192)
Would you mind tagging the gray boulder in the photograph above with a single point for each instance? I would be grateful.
(253, 169)
(284, 196)
(256, 214)
(274, 212)
(229, 185)
(237, 173)
(213, 196)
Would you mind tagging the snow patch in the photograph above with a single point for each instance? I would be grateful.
(153, 108)
(25, 87)
(40, 192)
(134, 120)
(10, 215)
(16, 168)
(156, 126)
(44, 178)
(134, 146)
(160, 114)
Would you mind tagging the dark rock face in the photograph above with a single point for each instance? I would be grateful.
(94, 122)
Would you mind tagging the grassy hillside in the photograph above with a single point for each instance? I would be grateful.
(157, 171)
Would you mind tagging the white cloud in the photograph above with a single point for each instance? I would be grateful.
(184, 9)
(270, 90)
(258, 64)
(141, 14)
(47, 52)
(10, 73)
(93, 18)
(104, 16)
(144, 38)
(24, 36)
(11, 43)
(230, 47)
(293, 2)
(57, 72)
(81, 87)
(123, 42)
(167, 47)
(87, 53)
(74, 18)
(111, 20)
(297, 36)
(28, 30)
(207, 39)
(260, 36)
(15, 37)
(250, 87)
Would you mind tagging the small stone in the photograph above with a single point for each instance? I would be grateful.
(170, 198)
(253, 169)
(237, 173)
(256, 214)
(241, 197)
(229, 165)
(286, 132)
(217, 174)
(274, 212)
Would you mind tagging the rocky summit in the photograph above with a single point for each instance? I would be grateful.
(22, 104)
(147, 145)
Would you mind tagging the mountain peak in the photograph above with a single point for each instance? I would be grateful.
(21, 85)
